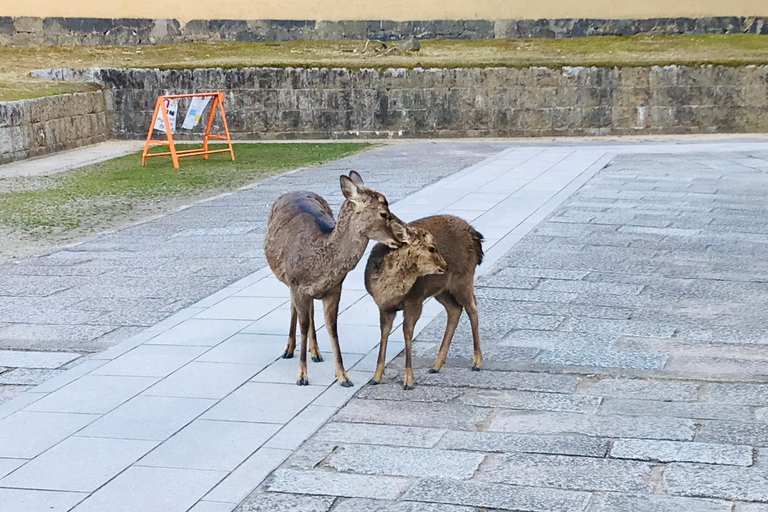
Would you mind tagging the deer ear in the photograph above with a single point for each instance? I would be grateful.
(356, 179)
(348, 188)
(401, 232)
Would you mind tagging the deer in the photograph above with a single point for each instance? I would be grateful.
(437, 259)
(311, 252)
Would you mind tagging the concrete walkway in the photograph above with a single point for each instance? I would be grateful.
(196, 411)
(72, 159)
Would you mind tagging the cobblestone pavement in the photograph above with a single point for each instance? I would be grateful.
(625, 366)
(87, 297)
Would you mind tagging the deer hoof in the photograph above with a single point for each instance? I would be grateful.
(287, 355)
(475, 368)
(302, 382)
(432, 370)
(374, 382)
(346, 384)
(407, 387)
(317, 359)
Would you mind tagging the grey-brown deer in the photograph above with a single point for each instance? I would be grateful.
(438, 259)
(311, 252)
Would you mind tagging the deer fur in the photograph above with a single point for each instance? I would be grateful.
(402, 278)
(311, 252)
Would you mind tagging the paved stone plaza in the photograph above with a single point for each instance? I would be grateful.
(623, 311)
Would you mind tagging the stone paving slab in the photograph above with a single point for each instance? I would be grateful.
(546, 460)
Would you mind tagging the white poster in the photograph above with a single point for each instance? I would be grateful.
(171, 106)
(196, 108)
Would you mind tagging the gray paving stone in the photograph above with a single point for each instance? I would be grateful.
(401, 461)
(674, 451)
(524, 295)
(513, 399)
(754, 507)
(497, 496)
(337, 484)
(94, 394)
(730, 432)
(566, 444)
(605, 359)
(464, 377)
(279, 502)
(342, 433)
(151, 361)
(264, 403)
(644, 389)
(589, 287)
(151, 418)
(27, 500)
(52, 337)
(621, 327)
(358, 504)
(709, 481)
(204, 380)
(212, 445)
(418, 394)
(564, 472)
(614, 502)
(242, 481)
(676, 409)
(163, 489)
(78, 464)
(385, 412)
(25, 435)
(301, 427)
(716, 366)
(535, 422)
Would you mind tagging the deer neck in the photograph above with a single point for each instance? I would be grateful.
(398, 275)
(346, 244)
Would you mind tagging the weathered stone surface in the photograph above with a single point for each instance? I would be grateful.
(337, 484)
(644, 389)
(732, 432)
(566, 444)
(747, 394)
(418, 394)
(342, 433)
(676, 409)
(359, 504)
(277, 502)
(673, 451)
(701, 480)
(413, 414)
(497, 496)
(614, 502)
(524, 422)
(581, 473)
(382, 460)
(513, 399)
(499, 380)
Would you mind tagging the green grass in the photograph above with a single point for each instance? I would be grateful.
(641, 50)
(104, 192)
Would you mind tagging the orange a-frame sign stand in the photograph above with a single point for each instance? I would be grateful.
(161, 105)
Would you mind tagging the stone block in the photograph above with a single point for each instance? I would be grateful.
(342, 433)
(615, 502)
(644, 389)
(494, 496)
(566, 444)
(562, 472)
(337, 484)
(412, 414)
(546, 423)
(400, 461)
(674, 451)
(512, 399)
(711, 481)
(28, 24)
(279, 502)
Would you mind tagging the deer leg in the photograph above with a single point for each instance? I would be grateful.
(453, 310)
(411, 314)
(470, 305)
(331, 310)
(303, 309)
(314, 350)
(291, 345)
(386, 318)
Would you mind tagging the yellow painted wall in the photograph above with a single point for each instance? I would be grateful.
(382, 9)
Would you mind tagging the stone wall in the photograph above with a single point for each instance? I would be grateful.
(24, 31)
(291, 103)
(45, 125)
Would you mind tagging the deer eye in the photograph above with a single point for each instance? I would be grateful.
(383, 215)
(431, 249)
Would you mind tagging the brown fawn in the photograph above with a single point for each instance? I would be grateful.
(311, 252)
(438, 259)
